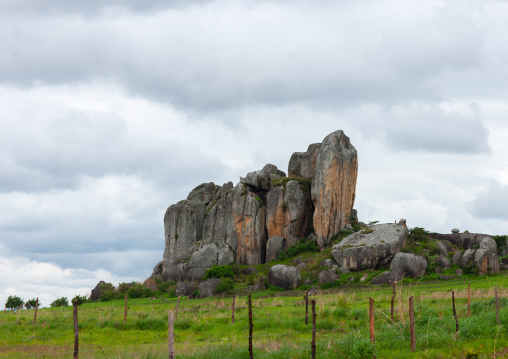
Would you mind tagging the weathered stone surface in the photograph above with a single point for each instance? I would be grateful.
(333, 186)
(486, 258)
(301, 267)
(312, 237)
(442, 248)
(249, 216)
(458, 272)
(457, 256)
(439, 270)
(99, 290)
(353, 218)
(363, 251)
(343, 270)
(328, 263)
(287, 277)
(183, 227)
(445, 277)
(157, 270)
(409, 264)
(467, 257)
(289, 211)
(204, 192)
(185, 288)
(327, 276)
(207, 288)
(308, 281)
(443, 262)
(260, 284)
(262, 180)
(274, 246)
(388, 278)
(302, 164)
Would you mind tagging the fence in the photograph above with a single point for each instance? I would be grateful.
(312, 346)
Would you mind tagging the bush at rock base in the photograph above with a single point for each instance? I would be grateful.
(139, 291)
(304, 246)
(225, 285)
(224, 271)
(79, 299)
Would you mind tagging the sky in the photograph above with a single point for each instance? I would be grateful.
(111, 111)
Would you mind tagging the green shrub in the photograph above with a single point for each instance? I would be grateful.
(29, 304)
(139, 291)
(60, 302)
(303, 246)
(225, 285)
(303, 182)
(327, 285)
(165, 287)
(367, 230)
(260, 201)
(274, 288)
(219, 272)
(501, 242)
(108, 295)
(124, 287)
(13, 302)
(79, 299)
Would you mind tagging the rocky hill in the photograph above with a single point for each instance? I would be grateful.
(217, 225)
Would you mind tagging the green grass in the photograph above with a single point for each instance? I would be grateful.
(203, 328)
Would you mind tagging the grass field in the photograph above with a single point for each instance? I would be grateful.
(203, 328)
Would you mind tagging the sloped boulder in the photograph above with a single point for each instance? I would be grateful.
(457, 257)
(157, 270)
(274, 246)
(387, 278)
(185, 289)
(486, 258)
(467, 257)
(333, 186)
(99, 290)
(261, 180)
(364, 250)
(409, 264)
(289, 210)
(327, 276)
(443, 262)
(207, 288)
(303, 164)
(287, 277)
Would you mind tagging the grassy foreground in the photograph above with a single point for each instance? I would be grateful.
(203, 328)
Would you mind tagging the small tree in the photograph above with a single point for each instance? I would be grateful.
(60, 302)
(14, 302)
(29, 304)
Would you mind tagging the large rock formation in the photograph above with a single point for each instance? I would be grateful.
(372, 247)
(217, 225)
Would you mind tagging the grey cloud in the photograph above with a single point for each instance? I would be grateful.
(433, 130)
(199, 61)
(492, 202)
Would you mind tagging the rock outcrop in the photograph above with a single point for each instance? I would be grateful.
(217, 225)
(372, 247)
(409, 264)
(287, 277)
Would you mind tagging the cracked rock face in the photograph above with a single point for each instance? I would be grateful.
(362, 250)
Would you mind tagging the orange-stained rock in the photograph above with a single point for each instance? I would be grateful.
(249, 219)
(333, 186)
(289, 211)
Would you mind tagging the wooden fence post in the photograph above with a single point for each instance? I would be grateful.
(76, 329)
(455, 313)
(393, 297)
(371, 315)
(313, 344)
(412, 324)
(469, 300)
(251, 353)
(497, 306)
(306, 308)
(125, 312)
(171, 336)
(36, 307)
(176, 309)
(233, 311)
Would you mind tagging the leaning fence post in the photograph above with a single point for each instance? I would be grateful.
(76, 329)
(412, 324)
(233, 311)
(468, 300)
(497, 306)
(251, 354)
(306, 308)
(171, 336)
(36, 307)
(455, 313)
(371, 315)
(313, 344)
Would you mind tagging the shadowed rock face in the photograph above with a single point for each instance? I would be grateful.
(333, 186)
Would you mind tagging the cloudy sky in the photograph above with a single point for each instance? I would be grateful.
(110, 111)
